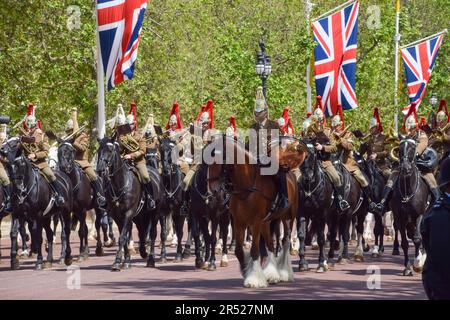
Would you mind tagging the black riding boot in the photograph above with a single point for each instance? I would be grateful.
(99, 195)
(58, 194)
(283, 202)
(382, 205)
(368, 195)
(150, 201)
(8, 205)
(436, 194)
(184, 210)
(342, 203)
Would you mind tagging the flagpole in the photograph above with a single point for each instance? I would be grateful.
(424, 39)
(397, 41)
(308, 67)
(335, 9)
(100, 87)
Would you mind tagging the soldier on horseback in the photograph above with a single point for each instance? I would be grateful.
(35, 146)
(440, 138)
(375, 147)
(326, 146)
(81, 146)
(4, 179)
(419, 136)
(132, 148)
(262, 122)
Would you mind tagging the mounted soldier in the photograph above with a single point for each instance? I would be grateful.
(232, 129)
(133, 146)
(80, 143)
(35, 146)
(440, 138)
(345, 141)
(4, 179)
(376, 147)
(285, 123)
(411, 126)
(326, 146)
(262, 122)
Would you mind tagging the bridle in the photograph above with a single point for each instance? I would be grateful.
(405, 197)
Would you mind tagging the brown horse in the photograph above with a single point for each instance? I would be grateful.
(250, 204)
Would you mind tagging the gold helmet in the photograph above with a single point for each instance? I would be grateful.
(3, 132)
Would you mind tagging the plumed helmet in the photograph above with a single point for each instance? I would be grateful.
(69, 125)
(30, 121)
(306, 124)
(173, 120)
(336, 121)
(444, 176)
(260, 101)
(130, 119)
(281, 122)
(3, 132)
(319, 114)
(204, 117)
(441, 116)
(410, 123)
(373, 123)
(121, 120)
(230, 131)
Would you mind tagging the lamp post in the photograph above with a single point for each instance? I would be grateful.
(263, 66)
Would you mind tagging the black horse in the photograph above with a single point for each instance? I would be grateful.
(32, 200)
(376, 182)
(83, 197)
(209, 206)
(172, 178)
(124, 195)
(409, 202)
(316, 203)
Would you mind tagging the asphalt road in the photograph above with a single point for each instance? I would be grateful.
(94, 279)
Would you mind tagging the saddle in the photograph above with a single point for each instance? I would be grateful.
(428, 161)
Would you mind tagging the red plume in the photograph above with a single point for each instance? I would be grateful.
(341, 115)
(233, 124)
(308, 115)
(320, 106)
(376, 115)
(175, 111)
(210, 110)
(287, 121)
(423, 122)
(443, 107)
(31, 111)
(133, 111)
(199, 114)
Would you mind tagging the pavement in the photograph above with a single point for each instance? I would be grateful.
(373, 279)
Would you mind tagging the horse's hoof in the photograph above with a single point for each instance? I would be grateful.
(99, 252)
(315, 247)
(352, 242)
(38, 266)
(389, 238)
(15, 264)
(386, 231)
(395, 252)
(212, 267)
(198, 263)
(375, 255)
(205, 265)
(81, 258)
(178, 258)
(358, 258)
(417, 269)
(294, 252)
(303, 267)
(116, 267)
(223, 263)
(143, 252)
(247, 245)
(47, 265)
(163, 260)
(232, 249)
(186, 253)
(218, 251)
(407, 272)
(68, 261)
(366, 248)
(321, 269)
(150, 263)
(126, 266)
(343, 261)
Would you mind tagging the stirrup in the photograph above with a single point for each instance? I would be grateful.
(151, 203)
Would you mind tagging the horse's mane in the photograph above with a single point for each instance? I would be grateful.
(241, 148)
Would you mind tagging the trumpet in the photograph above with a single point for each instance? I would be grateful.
(338, 136)
(129, 143)
(438, 134)
(75, 133)
(392, 153)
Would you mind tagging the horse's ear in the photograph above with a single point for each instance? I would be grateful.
(51, 135)
(59, 140)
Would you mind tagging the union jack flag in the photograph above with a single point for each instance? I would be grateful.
(335, 58)
(419, 61)
(119, 27)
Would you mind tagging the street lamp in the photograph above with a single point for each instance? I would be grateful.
(263, 66)
(433, 100)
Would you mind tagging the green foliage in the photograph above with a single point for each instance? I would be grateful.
(199, 49)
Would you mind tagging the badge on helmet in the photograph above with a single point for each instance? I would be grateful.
(260, 101)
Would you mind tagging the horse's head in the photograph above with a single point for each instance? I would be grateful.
(407, 155)
(309, 165)
(108, 153)
(166, 148)
(10, 149)
(66, 157)
(20, 171)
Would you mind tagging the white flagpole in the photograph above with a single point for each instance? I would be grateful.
(100, 87)
(308, 67)
(397, 40)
